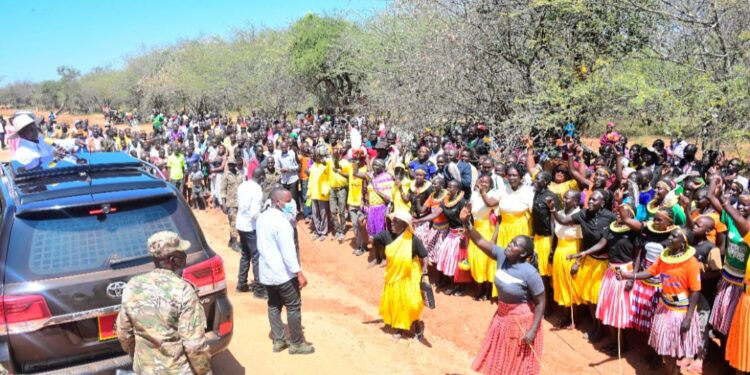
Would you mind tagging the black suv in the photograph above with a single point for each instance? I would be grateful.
(72, 234)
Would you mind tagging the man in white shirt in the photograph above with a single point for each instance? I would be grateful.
(286, 163)
(281, 274)
(249, 204)
(31, 152)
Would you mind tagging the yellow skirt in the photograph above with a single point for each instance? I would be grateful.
(588, 280)
(482, 267)
(563, 285)
(512, 225)
(401, 303)
(542, 248)
(738, 341)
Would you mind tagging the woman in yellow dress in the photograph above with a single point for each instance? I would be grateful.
(401, 303)
(588, 271)
(568, 243)
(514, 207)
(483, 201)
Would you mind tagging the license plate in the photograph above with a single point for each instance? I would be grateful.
(107, 327)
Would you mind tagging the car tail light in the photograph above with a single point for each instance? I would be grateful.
(225, 328)
(207, 276)
(20, 313)
(100, 211)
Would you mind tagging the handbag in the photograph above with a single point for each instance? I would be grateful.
(428, 296)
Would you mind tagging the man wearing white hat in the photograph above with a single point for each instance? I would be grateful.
(30, 153)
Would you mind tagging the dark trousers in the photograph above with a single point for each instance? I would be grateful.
(280, 296)
(320, 213)
(337, 202)
(249, 254)
(360, 238)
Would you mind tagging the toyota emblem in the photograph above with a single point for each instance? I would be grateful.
(115, 289)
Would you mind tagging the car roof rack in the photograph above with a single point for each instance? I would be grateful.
(81, 166)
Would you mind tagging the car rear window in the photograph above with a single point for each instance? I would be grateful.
(74, 241)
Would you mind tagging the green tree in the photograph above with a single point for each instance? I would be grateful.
(316, 57)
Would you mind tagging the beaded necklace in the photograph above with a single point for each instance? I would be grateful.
(454, 202)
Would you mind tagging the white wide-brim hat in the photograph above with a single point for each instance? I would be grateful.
(21, 121)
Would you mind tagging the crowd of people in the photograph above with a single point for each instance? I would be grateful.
(649, 238)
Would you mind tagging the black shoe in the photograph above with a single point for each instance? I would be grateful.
(235, 247)
(255, 286)
(260, 294)
(242, 289)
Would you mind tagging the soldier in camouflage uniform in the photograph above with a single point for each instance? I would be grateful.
(232, 180)
(161, 321)
(272, 177)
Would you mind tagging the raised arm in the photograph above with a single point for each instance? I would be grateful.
(685, 202)
(618, 172)
(496, 232)
(713, 189)
(488, 201)
(743, 226)
(578, 174)
(530, 162)
(564, 220)
(632, 223)
(406, 197)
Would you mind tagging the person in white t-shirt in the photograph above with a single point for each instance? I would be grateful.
(31, 152)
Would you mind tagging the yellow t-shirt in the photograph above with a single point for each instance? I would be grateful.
(354, 196)
(398, 202)
(318, 185)
(337, 180)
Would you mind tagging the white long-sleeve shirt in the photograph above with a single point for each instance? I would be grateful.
(278, 257)
(33, 154)
(249, 204)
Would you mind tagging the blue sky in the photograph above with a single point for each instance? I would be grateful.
(38, 36)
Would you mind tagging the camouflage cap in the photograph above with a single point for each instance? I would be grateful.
(166, 242)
